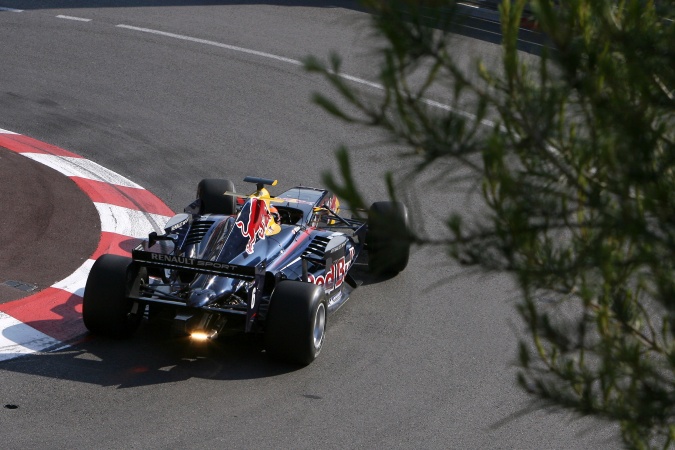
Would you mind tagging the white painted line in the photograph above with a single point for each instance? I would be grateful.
(459, 112)
(31, 340)
(295, 62)
(54, 350)
(88, 357)
(129, 222)
(6, 131)
(213, 43)
(81, 167)
(77, 280)
(80, 19)
(10, 9)
(360, 81)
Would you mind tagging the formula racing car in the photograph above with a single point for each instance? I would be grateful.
(276, 265)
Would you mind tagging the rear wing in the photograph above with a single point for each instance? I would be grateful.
(254, 274)
(142, 255)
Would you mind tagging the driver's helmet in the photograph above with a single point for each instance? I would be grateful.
(273, 227)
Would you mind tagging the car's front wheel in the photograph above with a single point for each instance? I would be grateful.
(295, 328)
(388, 238)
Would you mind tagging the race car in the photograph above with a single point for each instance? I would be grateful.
(272, 265)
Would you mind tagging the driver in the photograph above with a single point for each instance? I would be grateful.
(273, 227)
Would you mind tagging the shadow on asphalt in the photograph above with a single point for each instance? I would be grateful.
(153, 355)
(150, 358)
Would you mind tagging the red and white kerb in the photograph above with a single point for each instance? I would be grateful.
(53, 316)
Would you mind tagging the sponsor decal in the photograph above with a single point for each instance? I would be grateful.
(191, 262)
(335, 275)
(172, 259)
(176, 226)
(339, 246)
(334, 204)
(253, 220)
(335, 298)
(214, 265)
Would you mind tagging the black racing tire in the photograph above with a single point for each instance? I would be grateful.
(295, 328)
(106, 308)
(388, 238)
(210, 192)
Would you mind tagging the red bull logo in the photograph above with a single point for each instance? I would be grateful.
(335, 274)
(253, 220)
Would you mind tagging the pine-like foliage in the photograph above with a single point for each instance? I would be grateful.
(575, 157)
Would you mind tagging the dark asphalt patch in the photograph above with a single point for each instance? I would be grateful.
(49, 227)
(20, 285)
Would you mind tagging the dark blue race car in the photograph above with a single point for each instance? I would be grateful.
(277, 265)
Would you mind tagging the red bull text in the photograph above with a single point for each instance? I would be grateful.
(335, 275)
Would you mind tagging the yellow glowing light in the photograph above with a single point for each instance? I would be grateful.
(199, 336)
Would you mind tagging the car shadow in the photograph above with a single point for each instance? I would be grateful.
(150, 358)
(64, 349)
(360, 273)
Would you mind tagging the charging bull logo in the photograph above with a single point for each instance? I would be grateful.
(253, 220)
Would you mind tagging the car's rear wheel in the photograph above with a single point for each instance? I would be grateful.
(295, 328)
(106, 308)
(388, 238)
(210, 191)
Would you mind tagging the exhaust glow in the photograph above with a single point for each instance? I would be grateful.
(199, 336)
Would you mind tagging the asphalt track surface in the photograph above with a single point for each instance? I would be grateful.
(409, 362)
